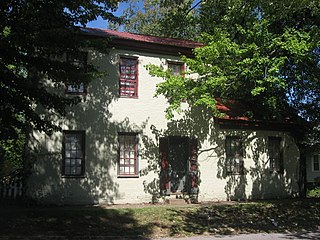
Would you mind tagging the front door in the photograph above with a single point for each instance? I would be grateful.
(179, 165)
(178, 162)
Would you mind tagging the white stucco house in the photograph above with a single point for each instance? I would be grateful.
(118, 147)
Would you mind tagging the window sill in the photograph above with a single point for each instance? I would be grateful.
(273, 172)
(234, 174)
(134, 97)
(76, 93)
(72, 176)
(128, 176)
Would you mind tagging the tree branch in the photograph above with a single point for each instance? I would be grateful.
(196, 5)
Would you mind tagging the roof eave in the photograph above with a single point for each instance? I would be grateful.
(258, 125)
(128, 44)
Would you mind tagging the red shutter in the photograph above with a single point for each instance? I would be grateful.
(193, 171)
(164, 164)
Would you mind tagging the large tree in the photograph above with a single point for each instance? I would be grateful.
(262, 53)
(162, 18)
(35, 38)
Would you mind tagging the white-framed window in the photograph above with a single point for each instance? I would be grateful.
(128, 154)
(316, 163)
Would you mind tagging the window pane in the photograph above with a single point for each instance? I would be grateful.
(316, 163)
(128, 155)
(73, 163)
(67, 163)
(68, 154)
(78, 170)
(176, 68)
(67, 170)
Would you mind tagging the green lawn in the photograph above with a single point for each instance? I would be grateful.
(156, 221)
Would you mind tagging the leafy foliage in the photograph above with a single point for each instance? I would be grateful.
(162, 18)
(314, 193)
(12, 154)
(264, 54)
(35, 38)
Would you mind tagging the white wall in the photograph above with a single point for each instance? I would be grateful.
(102, 114)
(311, 173)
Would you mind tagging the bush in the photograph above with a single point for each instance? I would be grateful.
(11, 154)
(314, 193)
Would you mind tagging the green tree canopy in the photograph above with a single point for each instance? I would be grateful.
(162, 18)
(35, 37)
(262, 53)
(31, 33)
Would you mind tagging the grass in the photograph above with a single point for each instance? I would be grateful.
(160, 221)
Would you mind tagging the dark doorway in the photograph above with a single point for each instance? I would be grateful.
(178, 160)
(179, 168)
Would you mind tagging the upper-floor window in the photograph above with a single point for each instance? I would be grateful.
(128, 79)
(73, 153)
(316, 163)
(79, 60)
(234, 155)
(176, 68)
(128, 154)
(275, 154)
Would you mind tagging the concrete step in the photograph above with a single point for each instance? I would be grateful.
(177, 201)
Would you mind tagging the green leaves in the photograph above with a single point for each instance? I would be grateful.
(160, 18)
(35, 37)
(264, 55)
(5, 32)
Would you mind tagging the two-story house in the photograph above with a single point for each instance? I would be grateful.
(118, 147)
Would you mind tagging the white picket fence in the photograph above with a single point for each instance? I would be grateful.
(11, 187)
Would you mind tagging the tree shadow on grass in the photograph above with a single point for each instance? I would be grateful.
(271, 216)
(73, 223)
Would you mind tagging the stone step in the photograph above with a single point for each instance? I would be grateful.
(177, 201)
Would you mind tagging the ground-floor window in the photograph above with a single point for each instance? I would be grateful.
(128, 154)
(275, 154)
(234, 155)
(73, 146)
(316, 163)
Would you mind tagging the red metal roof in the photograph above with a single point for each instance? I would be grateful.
(141, 38)
(236, 116)
(232, 109)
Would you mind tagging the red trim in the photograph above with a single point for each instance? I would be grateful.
(164, 164)
(150, 44)
(140, 38)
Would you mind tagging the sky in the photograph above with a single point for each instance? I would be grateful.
(100, 23)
